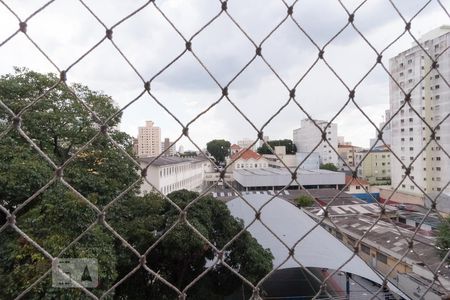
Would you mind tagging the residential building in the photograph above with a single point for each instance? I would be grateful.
(356, 185)
(246, 159)
(168, 148)
(168, 174)
(346, 159)
(280, 159)
(149, 140)
(427, 103)
(308, 136)
(303, 160)
(375, 165)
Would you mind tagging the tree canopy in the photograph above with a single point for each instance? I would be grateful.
(60, 126)
(328, 166)
(290, 146)
(443, 238)
(219, 149)
(304, 201)
(182, 256)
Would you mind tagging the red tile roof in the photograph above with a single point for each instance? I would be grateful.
(358, 181)
(246, 155)
(234, 146)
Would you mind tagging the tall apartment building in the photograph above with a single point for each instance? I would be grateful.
(431, 100)
(149, 140)
(308, 136)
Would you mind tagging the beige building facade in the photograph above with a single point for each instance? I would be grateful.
(375, 166)
(149, 140)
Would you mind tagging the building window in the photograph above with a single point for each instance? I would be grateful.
(382, 258)
(365, 249)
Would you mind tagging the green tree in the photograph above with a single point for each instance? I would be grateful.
(304, 201)
(60, 126)
(290, 146)
(443, 238)
(219, 149)
(181, 256)
(328, 166)
(54, 223)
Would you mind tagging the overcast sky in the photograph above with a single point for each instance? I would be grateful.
(65, 30)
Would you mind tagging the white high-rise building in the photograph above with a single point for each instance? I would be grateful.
(430, 101)
(308, 136)
(149, 140)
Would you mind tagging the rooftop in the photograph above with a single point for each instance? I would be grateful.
(323, 195)
(392, 240)
(171, 160)
(354, 209)
(246, 154)
(355, 181)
